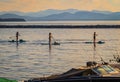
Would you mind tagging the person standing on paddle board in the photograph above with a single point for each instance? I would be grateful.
(17, 34)
(50, 38)
(94, 39)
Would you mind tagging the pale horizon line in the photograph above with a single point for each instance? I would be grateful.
(59, 9)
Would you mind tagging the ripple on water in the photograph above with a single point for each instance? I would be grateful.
(31, 59)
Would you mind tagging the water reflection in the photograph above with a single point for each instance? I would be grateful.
(31, 59)
(17, 44)
(50, 53)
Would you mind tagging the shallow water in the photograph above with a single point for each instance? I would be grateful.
(31, 59)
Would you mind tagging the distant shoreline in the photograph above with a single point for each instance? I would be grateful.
(59, 26)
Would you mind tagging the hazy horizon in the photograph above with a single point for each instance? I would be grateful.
(59, 10)
(40, 5)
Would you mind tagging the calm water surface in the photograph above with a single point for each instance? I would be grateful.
(31, 59)
(62, 23)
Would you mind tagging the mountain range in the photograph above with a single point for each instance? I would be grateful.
(68, 14)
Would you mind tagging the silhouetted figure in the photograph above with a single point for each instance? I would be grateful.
(94, 39)
(17, 35)
(17, 39)
(50, 40)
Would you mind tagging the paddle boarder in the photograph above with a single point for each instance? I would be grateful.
(17, 34)
(50, 40)
(94, 39)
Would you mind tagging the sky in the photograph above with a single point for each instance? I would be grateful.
(40, 5)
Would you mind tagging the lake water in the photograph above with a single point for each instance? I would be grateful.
(31, 59)
(62, 23)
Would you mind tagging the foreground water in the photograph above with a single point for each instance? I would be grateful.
(31, 59)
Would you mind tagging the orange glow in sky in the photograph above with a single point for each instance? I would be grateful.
(38, 5)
